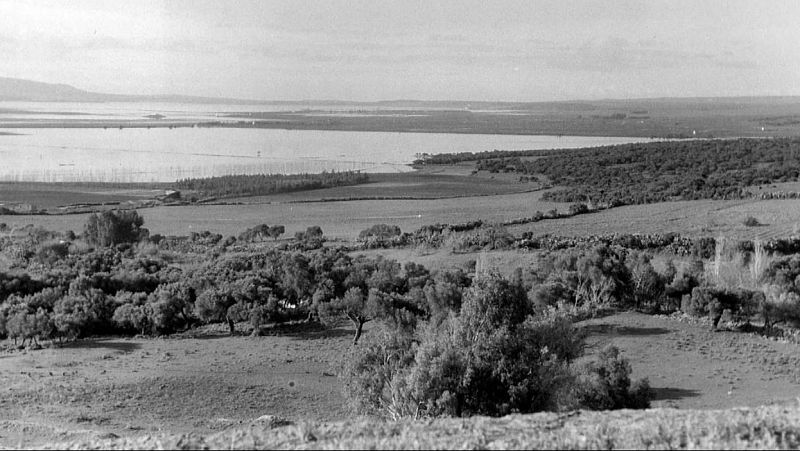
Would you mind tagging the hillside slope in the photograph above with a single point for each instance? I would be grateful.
(774, 427)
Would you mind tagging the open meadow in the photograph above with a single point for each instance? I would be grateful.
(345, 219)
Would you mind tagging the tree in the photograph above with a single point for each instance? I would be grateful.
(172, 306)
(213, 305)
(313, 232)
(111, 228)
(276, 231)
(133, 311)
(353, 305)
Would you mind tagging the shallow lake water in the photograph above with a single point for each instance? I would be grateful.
(165, 154)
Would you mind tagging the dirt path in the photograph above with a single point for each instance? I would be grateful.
(691, 367)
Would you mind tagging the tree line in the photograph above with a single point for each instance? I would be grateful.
(263, 184)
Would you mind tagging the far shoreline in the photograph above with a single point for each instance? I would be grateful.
(280, 125)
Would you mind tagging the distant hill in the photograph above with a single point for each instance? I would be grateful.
(15, 89)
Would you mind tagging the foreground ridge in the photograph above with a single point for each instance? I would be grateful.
(775, 426)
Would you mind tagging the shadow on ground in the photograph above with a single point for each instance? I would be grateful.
(611, 329)
(307, 331)
(669, 393)
(122, 346)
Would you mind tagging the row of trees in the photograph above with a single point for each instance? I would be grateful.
(263, 184)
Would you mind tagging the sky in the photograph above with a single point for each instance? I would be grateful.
(531, 50)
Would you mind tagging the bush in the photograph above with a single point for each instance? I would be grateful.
(380, 231)
(714, 301)
(491, 359)
(780, 307)
(578, 209)
(605, 384)
(50, 253)
(751, 222)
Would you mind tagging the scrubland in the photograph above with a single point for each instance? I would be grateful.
(361, 322)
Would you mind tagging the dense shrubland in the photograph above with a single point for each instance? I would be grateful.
(443, 343)
(649, 172)
(263, 184)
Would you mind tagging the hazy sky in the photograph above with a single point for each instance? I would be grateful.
(431, 49)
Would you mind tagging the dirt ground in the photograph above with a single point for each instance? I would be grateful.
(689, 366)
(206, 382)
(132, 386)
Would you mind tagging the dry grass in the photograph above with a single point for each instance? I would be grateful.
(690, 218)
(775, 427)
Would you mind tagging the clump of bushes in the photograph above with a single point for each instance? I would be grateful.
(261, 232)
(494, 356)
(605, 384)
(714, 301)
(311, 239)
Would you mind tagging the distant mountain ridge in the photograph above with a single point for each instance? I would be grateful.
(16, 89)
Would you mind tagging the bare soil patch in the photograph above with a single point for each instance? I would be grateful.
(132, 386)
(692, 367)
(206, 382)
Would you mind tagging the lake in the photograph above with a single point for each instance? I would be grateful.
(167, 154)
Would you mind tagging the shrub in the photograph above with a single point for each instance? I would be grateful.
(50, 253)
(380, 231)
(578, 209)
(751, 222)
(714, 301)
(311, 239)
(605, 384)
(780, 307)
(276, 231)
(491, 359)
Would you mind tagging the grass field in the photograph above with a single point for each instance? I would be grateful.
(345, 219)
(780, 218)
(49, 196)
(434, 183)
